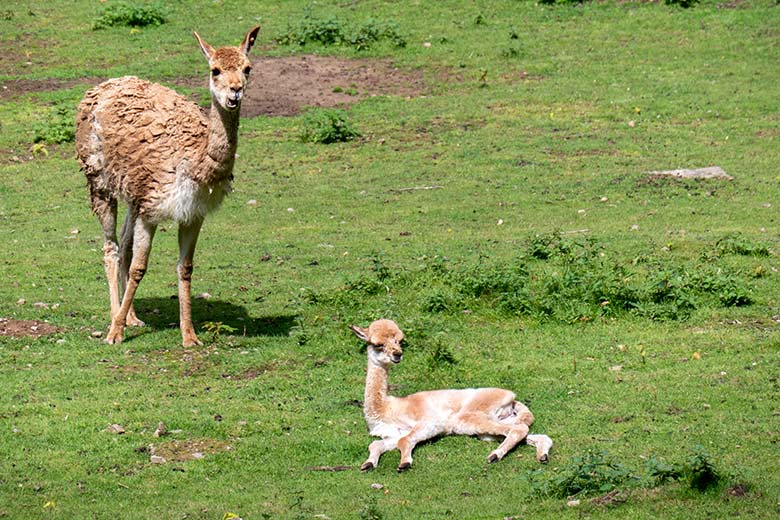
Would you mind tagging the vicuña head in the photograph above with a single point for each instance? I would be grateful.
(384, 340)
(402, 422)
(230, 70)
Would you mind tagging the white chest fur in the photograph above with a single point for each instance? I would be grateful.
(187, 201)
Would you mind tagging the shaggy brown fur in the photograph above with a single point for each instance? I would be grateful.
(168, 160)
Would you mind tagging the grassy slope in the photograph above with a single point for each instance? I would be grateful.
(530, 150)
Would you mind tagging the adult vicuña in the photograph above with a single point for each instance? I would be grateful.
(402, 422)
(156, 150)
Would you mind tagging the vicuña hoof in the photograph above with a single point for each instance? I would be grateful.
(543, 459)
(191, 341)
(404, 466)
(493, 458)
(114, 337)
(133, 321)
(367, 466)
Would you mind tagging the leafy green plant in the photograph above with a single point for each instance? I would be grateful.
(685, 4)
(511, 52)
(437, 302)
(599, 472)
(593, 472)
(327, 126)
(440, 356)
(701, 472)
(737, 245)
(56, 127)
(216, 329)
(369, 510)
(131, 15)
(332, 31)
(660, 472)
(373, 31)
(698, 471)
(561, 2)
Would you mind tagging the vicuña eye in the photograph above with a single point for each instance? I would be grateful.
(247, 70)
(215, 72)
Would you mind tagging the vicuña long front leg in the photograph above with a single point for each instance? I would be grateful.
(375, 450)
(188, 238)
(144, 233)
(421, 432)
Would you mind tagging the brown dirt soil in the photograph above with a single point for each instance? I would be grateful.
(26, 328)
(18, 87)
(188, 449)
(284, 86)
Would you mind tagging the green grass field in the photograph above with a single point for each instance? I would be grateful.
(637, 316)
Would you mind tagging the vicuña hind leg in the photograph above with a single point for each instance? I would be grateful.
(542, 443)
(125, 257)
(142, 244)
(483, 425)
(106, 210)
(513, 437)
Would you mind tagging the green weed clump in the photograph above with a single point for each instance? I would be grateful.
(597, 472)
(556, 278)
(593, 472)
(685, 4)
(370, 510)
(217, 329)
(561, 2)
(699, 471)
(332, 31)
(131, 15)
(327, 126)
(56, 127)
(737, 245)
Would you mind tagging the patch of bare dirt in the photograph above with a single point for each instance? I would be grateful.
(613, 498)
(26, 328)
(285, 86)
(255, 372)
(18, 87)
(737, 490)
(183, 450)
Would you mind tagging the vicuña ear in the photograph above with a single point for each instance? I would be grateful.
(207, 49)
(249, 39)
(360, 332)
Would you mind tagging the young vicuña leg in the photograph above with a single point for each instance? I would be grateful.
(375, 450)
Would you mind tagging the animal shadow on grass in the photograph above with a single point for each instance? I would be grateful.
(163, 313)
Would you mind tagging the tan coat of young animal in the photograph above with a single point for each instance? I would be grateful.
(154, 149)
(403, 422)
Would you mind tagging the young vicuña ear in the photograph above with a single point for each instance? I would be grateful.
(207, 49)
(360, 332)
(249, 39)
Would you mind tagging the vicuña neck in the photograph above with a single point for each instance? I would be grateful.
(375, 397)
(223, 139)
